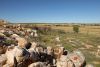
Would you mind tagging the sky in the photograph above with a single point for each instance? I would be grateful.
(50, 11)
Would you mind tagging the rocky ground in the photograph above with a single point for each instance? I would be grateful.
(43, 47)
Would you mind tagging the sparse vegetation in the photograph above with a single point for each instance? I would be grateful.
(76, 28)
(85, 43)
(79, 41)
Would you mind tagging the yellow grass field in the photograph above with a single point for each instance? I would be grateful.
(95, 30)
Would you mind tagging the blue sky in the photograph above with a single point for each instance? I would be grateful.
(50, 10)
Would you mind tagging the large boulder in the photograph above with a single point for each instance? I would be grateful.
(22, 42)
(50, 50)
(16, 55)
(37, 64)
(58, 51)
(1, 34)
(21, 54)
(77, 58)
(10, 56)
(14, 36)
(3, 59)
(64, 62)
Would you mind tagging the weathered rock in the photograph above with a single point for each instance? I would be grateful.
(14, 36)
(77, 58)
(22, 42)
(10, 56)
(3, 59)
(49, 50)
(64, 61)
(58, 51)
(89, 65)
(37, 64)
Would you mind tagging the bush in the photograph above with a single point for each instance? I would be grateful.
(8, 42)
(76, 28)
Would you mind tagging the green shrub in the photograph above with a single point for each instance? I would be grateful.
(76, 28)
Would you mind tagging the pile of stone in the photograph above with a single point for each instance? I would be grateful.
(22, 53)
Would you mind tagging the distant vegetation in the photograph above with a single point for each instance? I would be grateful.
(76, 28)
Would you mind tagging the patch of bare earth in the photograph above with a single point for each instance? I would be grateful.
(96, 62)
(88, 46)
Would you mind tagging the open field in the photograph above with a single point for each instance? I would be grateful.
(86, 29)
(87, 40)
(83, 29)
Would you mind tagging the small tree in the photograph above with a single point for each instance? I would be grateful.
(76, 28)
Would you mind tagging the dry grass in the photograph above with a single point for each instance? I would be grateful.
(83, 29)
(87, 40)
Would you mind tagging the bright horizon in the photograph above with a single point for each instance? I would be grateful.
(51, 11)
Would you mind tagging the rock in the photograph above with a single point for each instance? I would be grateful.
(49, 50)
(14, 36)
(37, 64)
(22, 42)
(64, 61)
(3, 59)
(77, 58)
(89, 65)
